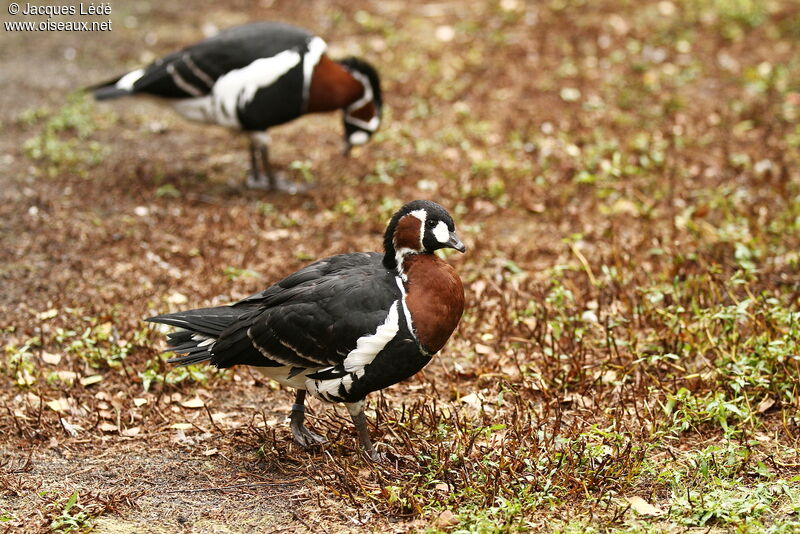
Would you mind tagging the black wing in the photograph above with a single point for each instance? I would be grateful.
(315, 316)
(311, 318)
(192, 72)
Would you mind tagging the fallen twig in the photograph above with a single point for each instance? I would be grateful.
(238, 486)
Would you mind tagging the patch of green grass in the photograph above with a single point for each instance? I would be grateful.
(64, 142)
(234, 273)
(158, 371)
(20, 362)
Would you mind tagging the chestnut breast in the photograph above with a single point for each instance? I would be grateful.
(332, 87)
(435, 298)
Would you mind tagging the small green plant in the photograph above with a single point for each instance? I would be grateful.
(157, 371)
(20, 363)
(72, 516)
(305, 168)
(234, 273)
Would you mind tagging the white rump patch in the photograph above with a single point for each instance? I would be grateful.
(236, 89)
(127, 81)
(441, 232)
(367, 347)
(358, 138)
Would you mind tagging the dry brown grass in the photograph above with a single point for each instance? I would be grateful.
(624, 176)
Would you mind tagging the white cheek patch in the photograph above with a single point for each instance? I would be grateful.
(358, 138)
(441, 232)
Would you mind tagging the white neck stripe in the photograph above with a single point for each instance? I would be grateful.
(316, 47)
(366, 97)
(370, 126)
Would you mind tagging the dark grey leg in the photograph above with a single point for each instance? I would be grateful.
(264, 150)
(356, 410)
(302, 436)
(256, 180)
(269, 180)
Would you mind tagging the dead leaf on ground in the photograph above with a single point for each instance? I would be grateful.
(108, 427)
(643, 507)
(51, 359)
(446, 519)
(196, 402)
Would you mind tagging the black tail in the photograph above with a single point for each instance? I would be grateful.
(202, 330)
(108, 90)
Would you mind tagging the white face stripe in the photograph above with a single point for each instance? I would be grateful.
(316, 47)
(441, 232)
(367, 347)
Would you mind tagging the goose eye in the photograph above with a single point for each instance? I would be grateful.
(431, 223)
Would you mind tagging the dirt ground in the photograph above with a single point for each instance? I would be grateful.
(595, 188)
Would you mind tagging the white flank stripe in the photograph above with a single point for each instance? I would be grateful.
(127, 81)
(237, 88)
(316, 47)
(441, 232)
(208, 341)
(325, 389)
(367, 347)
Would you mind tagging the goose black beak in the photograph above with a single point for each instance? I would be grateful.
(455, 242)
